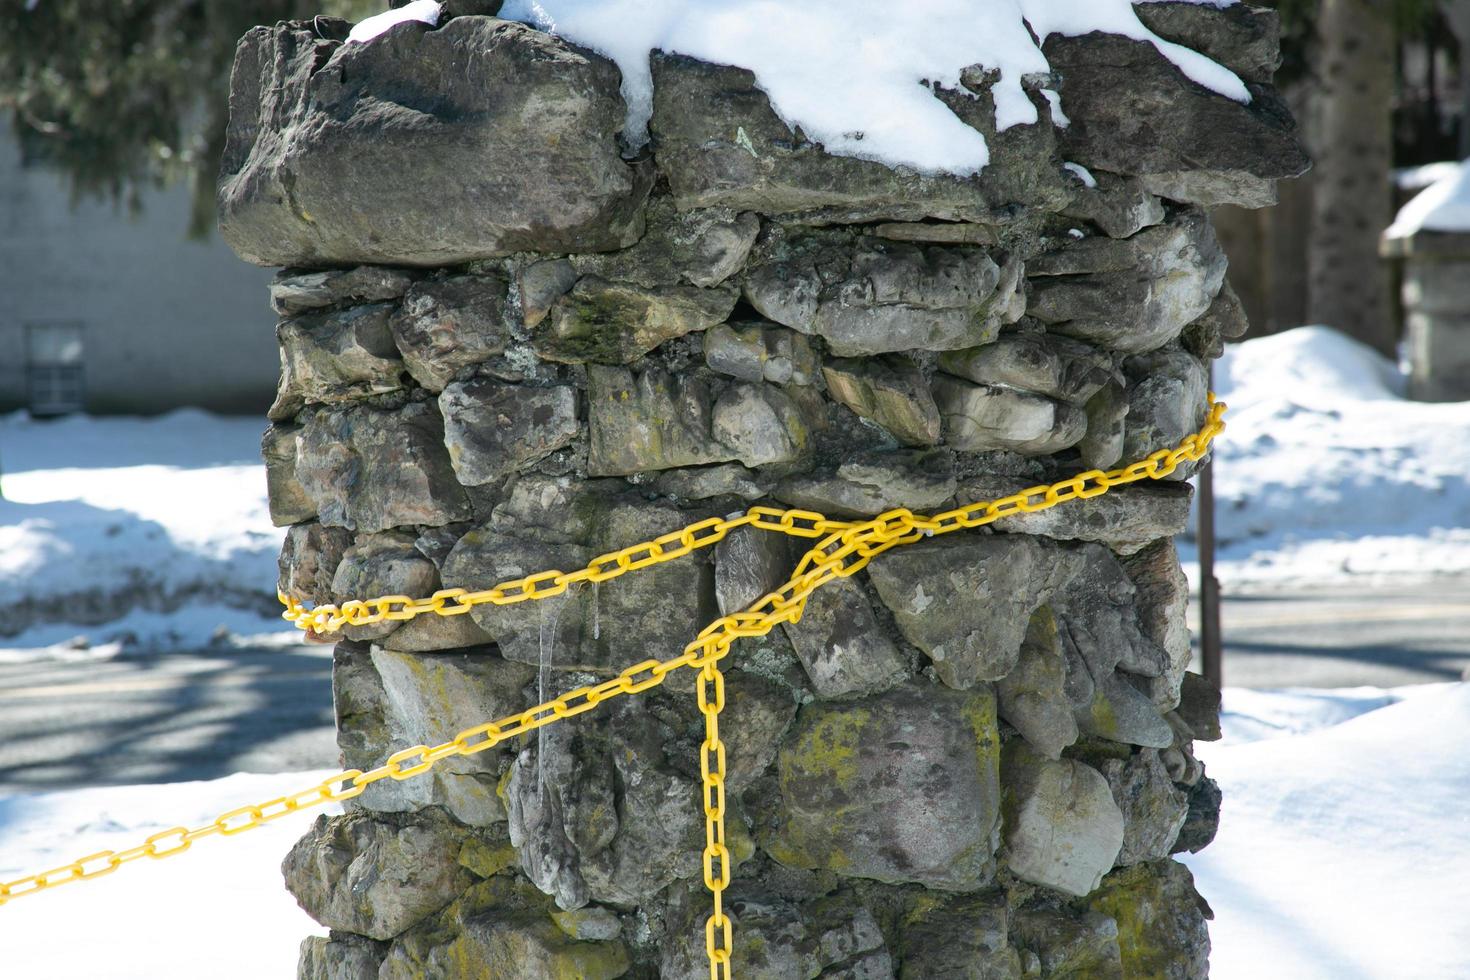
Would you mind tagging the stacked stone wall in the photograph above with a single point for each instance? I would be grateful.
(510, 343)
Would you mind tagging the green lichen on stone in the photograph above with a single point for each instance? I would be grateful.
(739, 841)
(1104, 719)
(1096, 752)
(594, 328)
(604, 322)
(1127, 897)
(957, 936)
(921, 907)
(1067, 942)
(591, 922)
(502, 787)
(524, 947)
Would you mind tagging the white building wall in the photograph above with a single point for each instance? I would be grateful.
(168, 321)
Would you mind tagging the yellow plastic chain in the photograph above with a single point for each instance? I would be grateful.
(844, 548)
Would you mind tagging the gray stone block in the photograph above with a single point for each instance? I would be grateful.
(447, 325)
(1062, 828)
(873, 296)
(493, 430)
(854, 801)
(322, 134)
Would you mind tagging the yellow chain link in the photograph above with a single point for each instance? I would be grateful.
(844, 548)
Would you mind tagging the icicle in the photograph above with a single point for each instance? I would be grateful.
(550, 610)
(597, 610)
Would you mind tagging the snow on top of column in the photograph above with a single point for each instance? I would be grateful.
(424, 11)
(850, 72)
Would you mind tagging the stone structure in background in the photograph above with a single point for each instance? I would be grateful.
(1436, 297)
(507, 348)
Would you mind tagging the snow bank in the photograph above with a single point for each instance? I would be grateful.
(1442, 206)
(192, 626)
(123, 512)
(852, 73)
(1339, 854)
(219, 911)
(1254, 716)
(1326, 472)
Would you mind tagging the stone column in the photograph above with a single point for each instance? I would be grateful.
(1436, 297)
(507, 348)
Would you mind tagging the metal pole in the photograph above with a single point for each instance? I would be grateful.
(1211, 653)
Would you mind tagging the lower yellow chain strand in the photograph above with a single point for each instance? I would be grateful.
(843, 548)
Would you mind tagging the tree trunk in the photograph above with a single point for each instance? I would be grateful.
(1457, 16)
(1268, 248)
(1348, 283)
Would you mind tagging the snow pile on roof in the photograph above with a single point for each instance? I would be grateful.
(1420, 177)
(423, 11)
(851, 73)
(1326, 471)
(1442, 206)
(1340, 850)
(123, 512)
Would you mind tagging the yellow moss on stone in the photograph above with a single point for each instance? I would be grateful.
(484, 859)
(739, 841)
(979, 713)
(1104, 720)
(1135, 898)
(829, 749)
(502, 788)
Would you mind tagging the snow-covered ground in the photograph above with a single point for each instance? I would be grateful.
(218, 911)
(1326, 473)
(1337, 857)
(1340, 854)
(163, 521)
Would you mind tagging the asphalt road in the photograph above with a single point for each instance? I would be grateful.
(155, 718)
(1380, 637)
(164, 718)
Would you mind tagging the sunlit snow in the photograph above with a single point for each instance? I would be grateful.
(1339, 854)
(1444, 205)
(423, 11)
(852, 73)
(1327, 472)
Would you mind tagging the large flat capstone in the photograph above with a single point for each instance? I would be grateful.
(332, 148)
